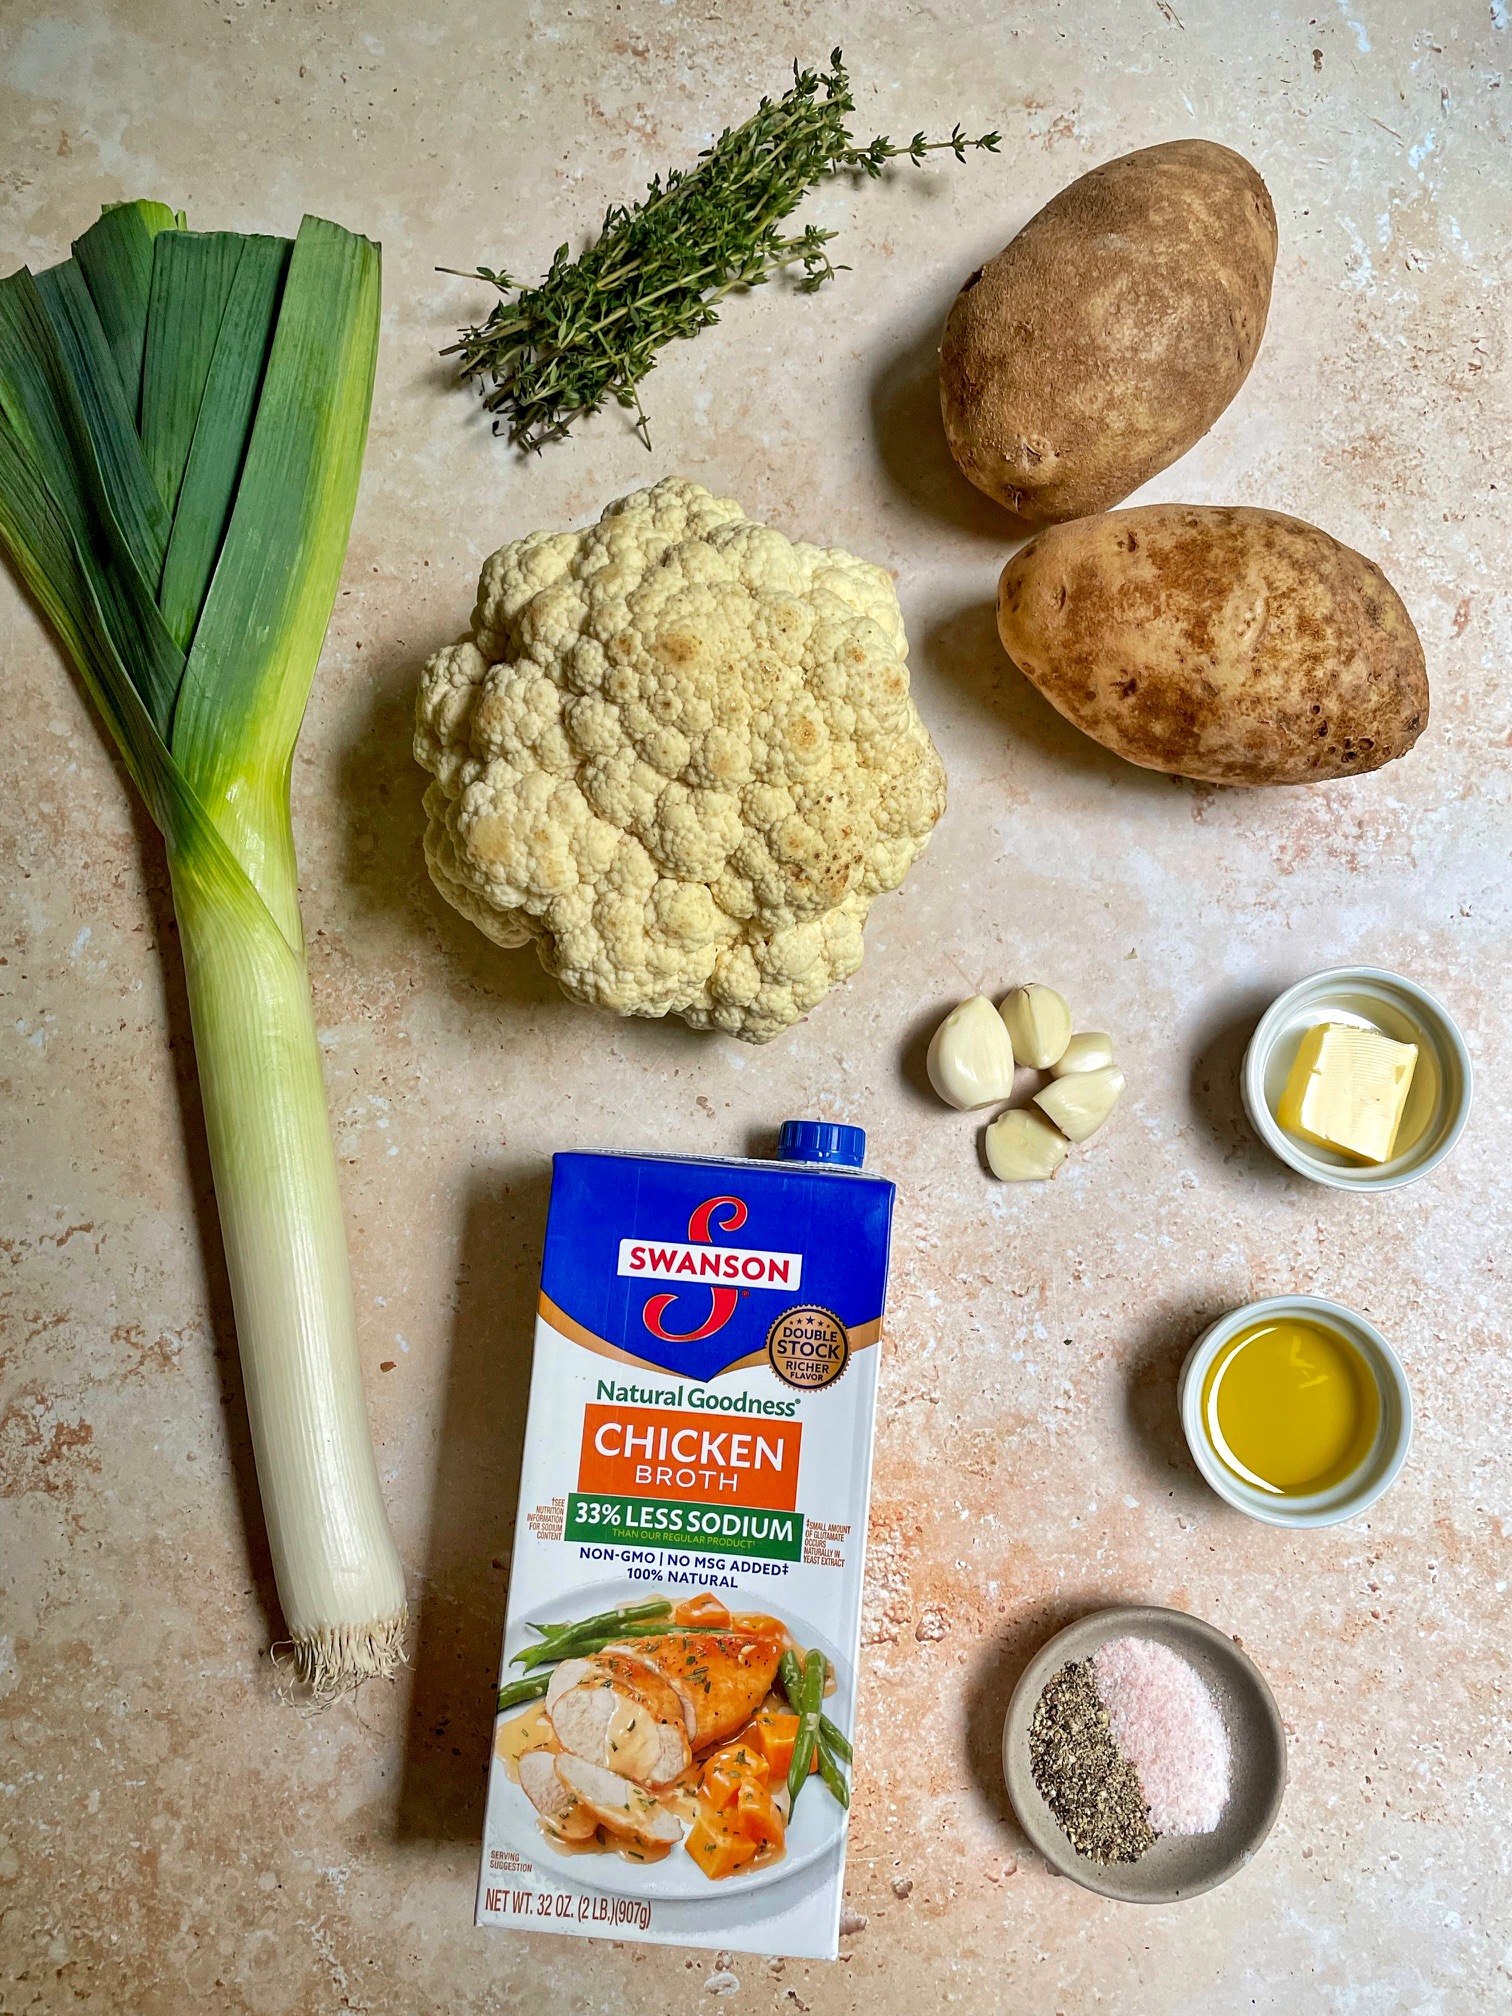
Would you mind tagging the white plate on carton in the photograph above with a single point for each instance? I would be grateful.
(817, 1830)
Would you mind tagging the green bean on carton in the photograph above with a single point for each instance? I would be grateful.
(791, 1675)
(520, 1691)
(606, 1620)
(829, 1770)
(810, 1694)
(580, 1642)
(835, 1739)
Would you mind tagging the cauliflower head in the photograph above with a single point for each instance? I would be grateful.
(678, 754)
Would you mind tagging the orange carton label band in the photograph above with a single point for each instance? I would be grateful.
(650, 1453)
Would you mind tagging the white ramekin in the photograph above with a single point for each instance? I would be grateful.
(1352, 1494)
(1438, 1104)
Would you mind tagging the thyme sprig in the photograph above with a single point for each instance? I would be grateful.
(591, 330)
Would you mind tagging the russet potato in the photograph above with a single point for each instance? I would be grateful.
(1230, 645)
(1111, 333)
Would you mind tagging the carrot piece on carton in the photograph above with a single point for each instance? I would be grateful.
(706, 1611)
(776, 1734)
(756, 1814)
(719, 1850)
(728, 1769)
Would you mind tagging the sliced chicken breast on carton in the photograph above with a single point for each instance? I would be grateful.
(561, 1810)
(609, 1725)
(629, 1655)
(628, 1669)
(617, 1804)
(571, 1673)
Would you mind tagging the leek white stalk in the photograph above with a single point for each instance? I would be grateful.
(339, 1577)
(182, 423)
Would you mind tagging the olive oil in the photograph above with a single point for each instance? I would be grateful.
(1291, 1407)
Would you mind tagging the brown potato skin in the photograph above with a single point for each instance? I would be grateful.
(1110, 334)
(1214, 642)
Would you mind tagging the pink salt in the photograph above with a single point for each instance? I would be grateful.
(1167, 1725)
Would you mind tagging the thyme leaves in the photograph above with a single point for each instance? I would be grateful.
(591, 330)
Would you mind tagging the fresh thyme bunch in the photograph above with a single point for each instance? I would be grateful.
(591, 330)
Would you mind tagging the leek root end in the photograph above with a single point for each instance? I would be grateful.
(336, 1659)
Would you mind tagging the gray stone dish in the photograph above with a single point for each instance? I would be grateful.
(1178, 1866)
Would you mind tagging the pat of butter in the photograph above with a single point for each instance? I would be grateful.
(1347, 1090)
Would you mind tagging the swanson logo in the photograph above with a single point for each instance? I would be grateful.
(726, 1270)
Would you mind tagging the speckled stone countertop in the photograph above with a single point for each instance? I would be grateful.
(173, 1836)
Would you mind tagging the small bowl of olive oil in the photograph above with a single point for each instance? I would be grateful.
(1296, 1411)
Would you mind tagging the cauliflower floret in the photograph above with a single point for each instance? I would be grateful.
(679, 754)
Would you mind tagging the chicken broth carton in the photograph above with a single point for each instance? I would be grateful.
(672, 1755)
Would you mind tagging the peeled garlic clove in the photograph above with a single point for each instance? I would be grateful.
(1039, 1022)
(1088, 1050)
(971, 1056)
(1080, 1103)
(1022, 1148)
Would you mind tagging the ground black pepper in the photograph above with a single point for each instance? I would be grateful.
(1089, 1786)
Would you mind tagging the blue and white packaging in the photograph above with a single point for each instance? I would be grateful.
(692, 1527)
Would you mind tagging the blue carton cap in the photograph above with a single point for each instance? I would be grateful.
(821, 1141)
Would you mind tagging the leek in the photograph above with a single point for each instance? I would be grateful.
(182, 424)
